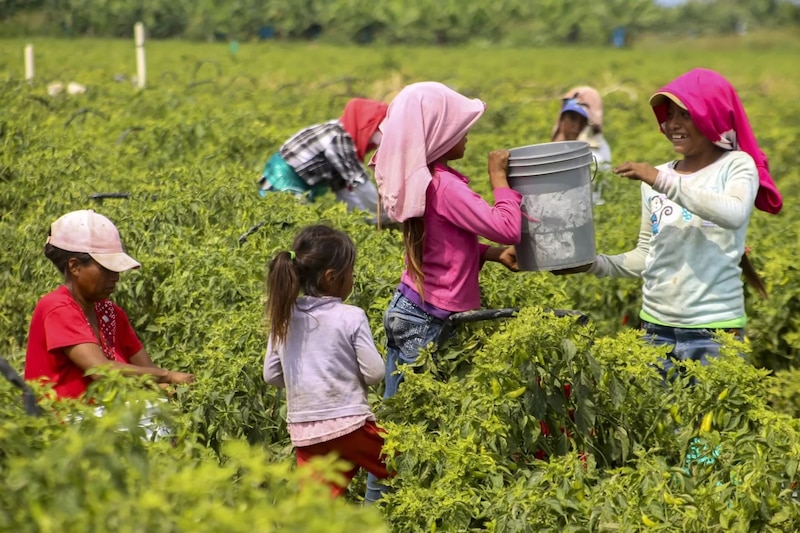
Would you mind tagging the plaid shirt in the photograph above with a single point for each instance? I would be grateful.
(325, 152)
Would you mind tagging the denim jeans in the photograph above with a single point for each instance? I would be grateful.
(688, 344)
(408, 329)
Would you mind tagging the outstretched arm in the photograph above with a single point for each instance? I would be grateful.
(729, 208)
(88, 355)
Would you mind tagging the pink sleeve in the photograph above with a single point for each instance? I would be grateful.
(501, 223)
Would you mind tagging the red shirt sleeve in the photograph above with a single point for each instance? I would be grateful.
(66, 326)
(56, 325)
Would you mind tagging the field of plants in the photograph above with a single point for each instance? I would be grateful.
(533, 423)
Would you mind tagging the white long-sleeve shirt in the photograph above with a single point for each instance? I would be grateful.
(691, 241)
(327, 361)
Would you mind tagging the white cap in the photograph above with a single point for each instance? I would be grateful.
(91, 233)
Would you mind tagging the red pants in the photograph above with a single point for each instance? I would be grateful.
(362, 448)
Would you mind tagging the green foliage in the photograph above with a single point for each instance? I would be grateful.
(623, 446)
(71, 470)
(521, 22)
(479, 427)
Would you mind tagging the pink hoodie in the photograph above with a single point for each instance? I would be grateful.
(718, 113)
(424, 121)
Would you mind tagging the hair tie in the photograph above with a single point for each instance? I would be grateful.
(292, 255)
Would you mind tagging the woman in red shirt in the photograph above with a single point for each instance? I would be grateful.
(76, 327)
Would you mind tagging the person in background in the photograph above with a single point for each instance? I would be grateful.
(329, 156)
(581, 119)
(76, 328)
(322, 352)
(695, 213)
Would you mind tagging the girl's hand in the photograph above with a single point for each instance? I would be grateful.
(505, 255)
(637, 171)
(508, 258)
(498, 165)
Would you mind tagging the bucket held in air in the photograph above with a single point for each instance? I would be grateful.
(556, 186)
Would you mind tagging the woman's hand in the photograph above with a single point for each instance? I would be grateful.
(179, 378)
(498, 168)
(637, 171)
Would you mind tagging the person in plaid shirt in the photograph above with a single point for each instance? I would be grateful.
(330, 155)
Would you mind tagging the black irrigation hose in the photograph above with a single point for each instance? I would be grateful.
(42, 100)
(202, 62)
(84, 111)
(251, 79)
(493, 314)
(287, 86)
(508, 312)
(28, 397)
(127, 132)
(100, 196)
(201, 82)
(243, 238)
(347, 80)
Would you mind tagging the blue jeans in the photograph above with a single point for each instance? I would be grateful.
(408, 329)
(688, 344)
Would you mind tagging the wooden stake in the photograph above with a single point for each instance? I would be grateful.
(29, 63)
(141, 70)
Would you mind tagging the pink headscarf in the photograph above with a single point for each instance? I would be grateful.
(718, 113)
(424, 121)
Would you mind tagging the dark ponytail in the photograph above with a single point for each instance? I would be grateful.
(315, 250)
(283, 287)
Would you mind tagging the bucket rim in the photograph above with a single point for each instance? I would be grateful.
(535, 161)
(572, 146)
(537, 170)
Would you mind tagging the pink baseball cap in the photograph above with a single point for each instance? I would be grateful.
(91, 233)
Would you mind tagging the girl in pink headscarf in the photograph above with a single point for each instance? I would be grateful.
(425, 130)
(695, 212)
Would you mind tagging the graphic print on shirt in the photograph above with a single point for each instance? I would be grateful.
(664, 211)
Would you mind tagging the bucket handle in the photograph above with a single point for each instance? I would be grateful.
(596, 166)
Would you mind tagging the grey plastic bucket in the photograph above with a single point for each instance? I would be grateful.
(544, 153)
(557, 220)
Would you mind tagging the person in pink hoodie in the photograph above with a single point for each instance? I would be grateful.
(425, 130)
